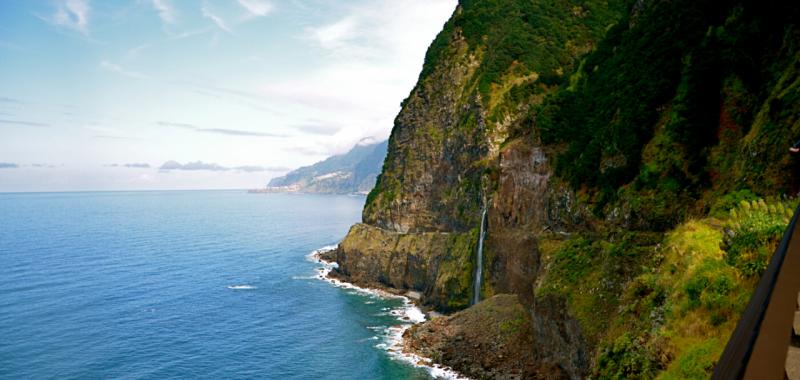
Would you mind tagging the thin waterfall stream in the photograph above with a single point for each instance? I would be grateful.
(476, 294)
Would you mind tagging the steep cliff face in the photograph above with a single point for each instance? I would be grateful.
(442, 163)
(436, 264)
(430, 179)
(621, 149)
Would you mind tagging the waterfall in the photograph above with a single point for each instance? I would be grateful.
(476, 295)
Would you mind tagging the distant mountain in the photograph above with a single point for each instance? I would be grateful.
(352, 172)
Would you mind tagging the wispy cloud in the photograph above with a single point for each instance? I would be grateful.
(208, 166)
(251, 169)
(134, 52)
(335, 35)
(72, 14)
(135, 165)
(371, 58)
(120, 70)
(234, 132)
(189, 33)
(256, 8)
(255, 100)
(318, 127)
(8, 165)
(23, 122)
(113, 137)
(312, 149)
(252, 8)
(218, 21)
(197, 165)
(6, 99)
(106, 133)
(369, 140)
(177, 125)
(221, 131)
(165, 11)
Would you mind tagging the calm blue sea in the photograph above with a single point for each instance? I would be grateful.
(183, 285)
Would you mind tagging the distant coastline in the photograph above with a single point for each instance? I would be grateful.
(354, 172)
(297, 190)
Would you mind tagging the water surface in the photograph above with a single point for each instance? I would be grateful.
(183, 284)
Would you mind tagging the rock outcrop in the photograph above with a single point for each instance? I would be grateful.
(490, 340)
(437, 264)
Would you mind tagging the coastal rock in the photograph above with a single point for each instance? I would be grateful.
(429, 263)
(491, 340)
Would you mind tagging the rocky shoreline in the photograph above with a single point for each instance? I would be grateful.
(490, 340)
(486, 341)
(399, 348)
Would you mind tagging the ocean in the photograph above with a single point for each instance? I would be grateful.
(185, 285)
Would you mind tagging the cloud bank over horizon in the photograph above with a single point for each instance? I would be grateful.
(200, 165)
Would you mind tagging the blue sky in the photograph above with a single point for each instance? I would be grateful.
(99, 95)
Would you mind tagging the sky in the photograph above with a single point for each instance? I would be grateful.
(168, 94)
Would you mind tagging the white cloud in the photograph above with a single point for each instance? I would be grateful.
(119, 70)
(256, 8)
(318, 127)
(371, 58)
(218, 21)
(72, 14)
(134, 52)
(196, 165)
(210, 166)
(336, 35)
(165, 11)
(220, 131)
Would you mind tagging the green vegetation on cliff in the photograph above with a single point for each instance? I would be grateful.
(491, 58)
(665, 306)
(684, 111)
(704, 80)
(633, 157)
(543, 37)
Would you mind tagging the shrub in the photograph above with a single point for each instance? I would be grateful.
(625, 358)
(752, 234)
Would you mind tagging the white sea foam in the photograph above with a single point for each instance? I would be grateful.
(314, 255)
(391, 338)
(314, 277)
(242, 287)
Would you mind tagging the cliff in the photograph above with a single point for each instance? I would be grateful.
(632, 158)
(353, 172)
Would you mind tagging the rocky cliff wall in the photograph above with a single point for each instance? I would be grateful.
(596, 133)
